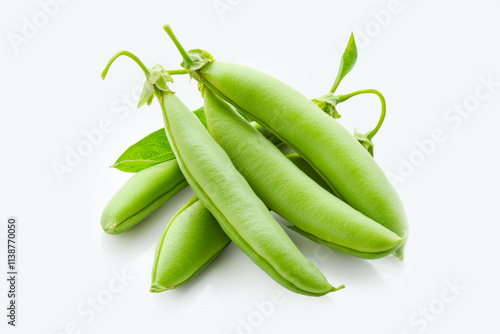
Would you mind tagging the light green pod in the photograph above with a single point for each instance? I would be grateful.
(333, 152)
(192, 239)
(141, 195)
(330, 149)
(292, 194)
(227, 195)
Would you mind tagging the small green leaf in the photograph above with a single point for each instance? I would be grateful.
(151, 99)
(328, 103)
(147, 152)
(159, 77)
(151, 150)
(364, 141)
(155, 74)
(147, 94)
(347, 62)
(166, 76)
(161, 83)
(199, 58)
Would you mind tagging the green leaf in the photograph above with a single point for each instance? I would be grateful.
(199, 58)
(147, 152)
(328, 103)
(159, 77)
(161, 83)
(151, 99)
(347, 62)
(364, 141)
(147, 94)
(155, 74)
(151, 150)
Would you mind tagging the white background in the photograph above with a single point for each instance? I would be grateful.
(429, 58)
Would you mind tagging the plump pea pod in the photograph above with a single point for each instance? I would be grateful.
(327, 146)
(292, 194)
(141, 195)
(227, 195)
(192, 239)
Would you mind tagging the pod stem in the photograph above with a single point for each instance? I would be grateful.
(177, 72)
(373, 132)
(132, 56)
(182, 51)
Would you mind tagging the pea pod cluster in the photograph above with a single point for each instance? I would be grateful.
(231, 154)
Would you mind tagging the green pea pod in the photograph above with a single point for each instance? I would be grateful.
(192, 239)
(292, 194)
(228, 196)
(327, 146)
(141, 195)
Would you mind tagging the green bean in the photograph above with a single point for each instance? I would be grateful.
(328, 147)
(228, 196)
(141, 195)
(292, 194)
(192, 239)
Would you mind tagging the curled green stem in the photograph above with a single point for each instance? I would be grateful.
(373, 132)
(132, 56)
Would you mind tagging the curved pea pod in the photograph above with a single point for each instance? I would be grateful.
(328, 147)
(141, 195)
(192, 239)
(240, 213)
(332, 151)
(292, 194)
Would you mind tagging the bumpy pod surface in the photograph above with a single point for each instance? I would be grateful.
(141, 195)
(227, 195)
(327, 146)
(291, 193)
(192, 239)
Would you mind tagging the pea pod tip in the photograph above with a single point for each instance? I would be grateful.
(155, 288)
